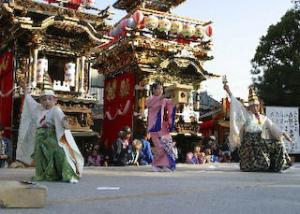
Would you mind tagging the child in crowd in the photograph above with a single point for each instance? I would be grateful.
(189, 158)
(208, 155)
(94, 159)
(225, 152)
(215, 153)
(226, 157)
(5, 149)
(146, 150)
(198, 156)
(136, 154)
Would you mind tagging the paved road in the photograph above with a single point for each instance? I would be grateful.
(215, 189)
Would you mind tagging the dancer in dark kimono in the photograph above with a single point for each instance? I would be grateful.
(260, 141)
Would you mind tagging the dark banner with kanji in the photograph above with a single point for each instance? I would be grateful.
(6, 86)
(118, 106)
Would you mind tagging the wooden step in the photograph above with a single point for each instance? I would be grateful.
(15, 194)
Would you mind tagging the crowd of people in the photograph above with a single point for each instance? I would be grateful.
(141, 151)
(209, 152)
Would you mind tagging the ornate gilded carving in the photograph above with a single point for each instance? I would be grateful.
(21, 71)
(53, 10)
(89, 120)
(73, 122)
(79, 116)
(37, 38)
(115, 59)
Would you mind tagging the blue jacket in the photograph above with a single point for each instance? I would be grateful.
(147, 153)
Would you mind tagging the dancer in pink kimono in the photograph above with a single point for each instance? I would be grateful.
(161, 115)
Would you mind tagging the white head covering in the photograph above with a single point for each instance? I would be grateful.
(48, 92)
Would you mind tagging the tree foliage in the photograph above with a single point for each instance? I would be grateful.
(276, 64)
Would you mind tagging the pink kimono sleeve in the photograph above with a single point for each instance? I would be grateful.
(151, 101)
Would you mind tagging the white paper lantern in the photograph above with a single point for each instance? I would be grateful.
(176, 27)
(188, 30)
(42, 68)
(70, 73)
(151, 22)
(164, 25)
(199, 31)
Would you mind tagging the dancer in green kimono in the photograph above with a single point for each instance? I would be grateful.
(45, 141)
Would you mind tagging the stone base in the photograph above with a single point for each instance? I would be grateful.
(15, 194)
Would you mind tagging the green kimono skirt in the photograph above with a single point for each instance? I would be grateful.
(50, 159)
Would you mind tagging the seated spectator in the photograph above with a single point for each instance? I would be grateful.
(5, 149)
(94, 159)
(120, 147)
(226, 157)
(225, 152)
(136, 157)
(208, 155)
(189, 158)
(215, 153)
(146, 150)
(198, 156)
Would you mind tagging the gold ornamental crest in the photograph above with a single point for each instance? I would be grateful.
(124, 88)
(110, 90)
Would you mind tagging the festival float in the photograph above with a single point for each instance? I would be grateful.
(150, 43)
(54, 38)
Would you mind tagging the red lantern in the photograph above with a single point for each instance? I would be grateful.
(138, 17)
(75, 2)
(209, 31)
(123, 24)
(50, 1)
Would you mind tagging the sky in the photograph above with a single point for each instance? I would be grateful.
(238, 26)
